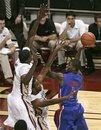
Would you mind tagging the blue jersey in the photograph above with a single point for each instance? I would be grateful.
(71, 80)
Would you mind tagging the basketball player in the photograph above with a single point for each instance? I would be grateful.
(70, 114)
(19, 105)
(38, 98)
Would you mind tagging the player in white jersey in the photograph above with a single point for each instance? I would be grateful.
(19, 105)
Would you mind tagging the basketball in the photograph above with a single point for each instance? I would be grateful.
(88, 39)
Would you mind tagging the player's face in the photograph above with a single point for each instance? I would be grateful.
(98, 22)
(71, 20)
(2, 25)
(36, 87)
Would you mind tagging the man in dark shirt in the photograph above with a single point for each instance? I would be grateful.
(46, 34)
(95, 29)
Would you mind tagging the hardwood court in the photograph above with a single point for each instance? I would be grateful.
(90, 100)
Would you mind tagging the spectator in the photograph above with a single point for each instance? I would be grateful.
(95, 28)
(5, 40)
(71, 29)
(12, 11)
(20, 125)
(46, 34)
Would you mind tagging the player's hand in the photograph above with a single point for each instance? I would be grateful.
(42, 11)
(34, 56)
(71, 94)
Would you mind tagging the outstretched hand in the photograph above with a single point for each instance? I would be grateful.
(71, 94)
(42, 12)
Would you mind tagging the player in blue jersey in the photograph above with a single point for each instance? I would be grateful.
(70, 115)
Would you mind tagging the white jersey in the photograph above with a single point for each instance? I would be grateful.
(43, 111)
(19, 105)
(18, 89)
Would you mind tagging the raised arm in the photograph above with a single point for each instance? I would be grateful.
(51, 58)
(26, 79)
(34, 28)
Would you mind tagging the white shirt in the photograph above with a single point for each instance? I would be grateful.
(76, 31)
(4, 33)
(18, 88)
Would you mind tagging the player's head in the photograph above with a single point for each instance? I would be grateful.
(20, 125)
(98, 20)
(74, 66)
(70, 16)
(36, 87)
(25, 56)
(2, 24)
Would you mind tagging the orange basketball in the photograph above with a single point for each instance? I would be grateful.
(88, 39)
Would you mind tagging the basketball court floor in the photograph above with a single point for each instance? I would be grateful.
(91, 100)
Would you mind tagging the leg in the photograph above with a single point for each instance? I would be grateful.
(64, 120)
(52, 44)
(5, 66)
(80, 120)
(81, 124)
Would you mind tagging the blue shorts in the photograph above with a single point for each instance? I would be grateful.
(70, 118)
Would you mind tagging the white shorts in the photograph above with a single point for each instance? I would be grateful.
(20, 108)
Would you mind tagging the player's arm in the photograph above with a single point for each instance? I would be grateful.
(51, 58)
(26, 78)
(57, 76)
(43, 103)
(34, 28)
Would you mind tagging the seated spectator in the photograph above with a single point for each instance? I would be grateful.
(20, 125)
(46, 34)
(71, 29)
(95, 28)
(6, 47)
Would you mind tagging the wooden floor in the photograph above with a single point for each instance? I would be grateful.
(90, 100)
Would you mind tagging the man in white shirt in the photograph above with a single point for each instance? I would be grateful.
(72, 30)
(5, 39)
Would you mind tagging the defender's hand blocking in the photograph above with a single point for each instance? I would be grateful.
(42, 12)
(71, 93)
